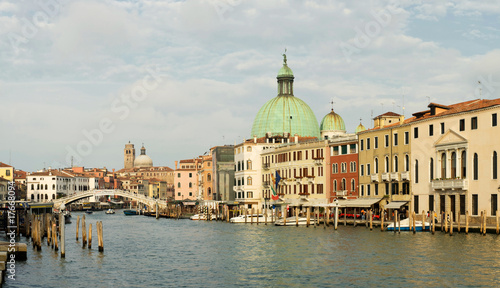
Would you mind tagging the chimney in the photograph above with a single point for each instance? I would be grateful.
(296, 138)
(175, 165)
(401, 119)
(255, 139)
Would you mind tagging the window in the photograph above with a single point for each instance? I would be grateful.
(362, 190)
(209, 177)
(407, 138)
(7, 173)
(353, 167)
(415, 132)
(442, 129)
(443, 165)
(362, 170)
(386, 188)
(362, 144)
(375, 142)
(431, 169)
(335, 168)
(476, 176)
(416, 171)
(190, 193)
(190, 185)
(343, 185)
(395, 164)
(431, 130)
(179, 194)
(386, 164)
(395, 139)
(415, 203)
(249, 181)
(375, 168)
(474, 204)
(494, 204)
(494, 119)
(190, 175)
(407, 162)
(178, 175)
(249, 149)
(368, 189)
(462, 124)
(431, 202)
(386, 140)
(353, 184)
(334, 185)
(249, 194)
(453, 165)
(376, 189)
(495, 164)
(179, 185)
(473, 123)
(367, 143)
(368, 172)
(464, 165)
(344, 167)
(249, 164)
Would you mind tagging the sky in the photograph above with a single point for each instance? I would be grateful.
(80, 79)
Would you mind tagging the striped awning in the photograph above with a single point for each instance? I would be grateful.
(395, 204)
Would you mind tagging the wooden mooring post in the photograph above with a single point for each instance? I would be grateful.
(485, 222)
(371, 219)
(308, 215)
(481, 223)
(355, 216)
(84, 233)
(451, 225)
(382, 216)
(395, 219)
(336, 217)
(100, 241)
(251, 216)
(432, 223)
(498, 225)
(297, 216)
(458, 222)
(246, 216)
(90, 235)
(77, 226)
(414, 222)
(54, 229)
(327, 216)
(466, 222)
(62, 235)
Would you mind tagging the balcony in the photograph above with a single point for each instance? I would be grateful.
(395, 176)
(266, 184)
(318, 161)
(342, 193)
(375, 177)
(405, 176)
(453, 184)
(265, 166)
(385, 177)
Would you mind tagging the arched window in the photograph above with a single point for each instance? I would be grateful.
(32, 187)
(395, 163)
(249, 149)
(249, 164)
(476, 166)
(344, 186)
(376, 165)
(53, 196)
(334, 185)
(416, 171)
(353, 184)
(443, 165)
(190, 185)
(453, 165)
(407, 162)
(53, 186)
(239, 165)
(46, 187)
(386, 164)
(209, 177)
(464, 165)
(495, 165)
(179, 185)
(431, 169)
(249, 180)
(46, 197)
(209, 191)
(37, 186)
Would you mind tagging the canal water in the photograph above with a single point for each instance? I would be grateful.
(144, 252)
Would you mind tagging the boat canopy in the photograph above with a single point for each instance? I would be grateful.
(360, 202)
(395, 204)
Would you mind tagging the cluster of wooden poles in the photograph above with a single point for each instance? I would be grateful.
(87, 238)
(45, 225)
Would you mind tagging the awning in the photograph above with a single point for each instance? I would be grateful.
(361, 202)
(395, 204)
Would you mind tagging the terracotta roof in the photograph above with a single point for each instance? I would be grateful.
(389, 114)
(464, 107)
(4, 165)
(3, 179)
(292, 139)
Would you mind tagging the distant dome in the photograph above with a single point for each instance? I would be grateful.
(143, 160)
(285, 113)
(332, 122)
(360, 128)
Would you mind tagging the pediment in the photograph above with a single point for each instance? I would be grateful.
(450, 138)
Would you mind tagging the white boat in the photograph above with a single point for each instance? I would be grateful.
(405, 226)
(292, 221)
(260, 217)
(110, 211)
(202, 217)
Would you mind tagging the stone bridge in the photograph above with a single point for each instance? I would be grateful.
(147, 201)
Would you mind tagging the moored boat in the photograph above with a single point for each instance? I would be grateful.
(110, 211)
(254, 217)
(405, 226)
(292, 221)
(89, 211)
(202, 217)
(129, 212)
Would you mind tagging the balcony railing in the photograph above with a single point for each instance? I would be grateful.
(405, 176)
(443, 184)
(386, 177)
(318, 161)
(394, 176)
(266, 184)
(265, 166)
(375, 177)
(342, 193)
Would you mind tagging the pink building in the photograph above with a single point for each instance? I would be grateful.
(186, 179)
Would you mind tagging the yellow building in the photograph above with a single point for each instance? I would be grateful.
(6, 171)
(384, 161)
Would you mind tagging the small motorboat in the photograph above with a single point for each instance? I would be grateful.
(89, 211)
(405, 226)
(110, 211)
(249, 218)
(202, 217)
(129, 212)
(292, 221)
(67, 217)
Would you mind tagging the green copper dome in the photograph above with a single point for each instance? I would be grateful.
(284, 114)
(360, 128)
(285, 71)
(332, 122)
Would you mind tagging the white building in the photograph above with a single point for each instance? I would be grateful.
(46, 185)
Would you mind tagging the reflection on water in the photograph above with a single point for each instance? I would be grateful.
(144, 252)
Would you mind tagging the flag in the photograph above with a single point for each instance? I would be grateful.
(274, 187)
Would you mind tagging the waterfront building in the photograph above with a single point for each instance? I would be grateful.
(205, 178)
(6, 171)
(384, 161)
(343, 168)
(223, 174)
(4, 188)
(47, 185)
(455, 158)
(157, 189)
(186, 181)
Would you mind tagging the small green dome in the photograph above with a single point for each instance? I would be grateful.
(285, 71)
(332, 122)
(285, 114)
(360, 128)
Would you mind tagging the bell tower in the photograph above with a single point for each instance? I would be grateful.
(129, 155)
